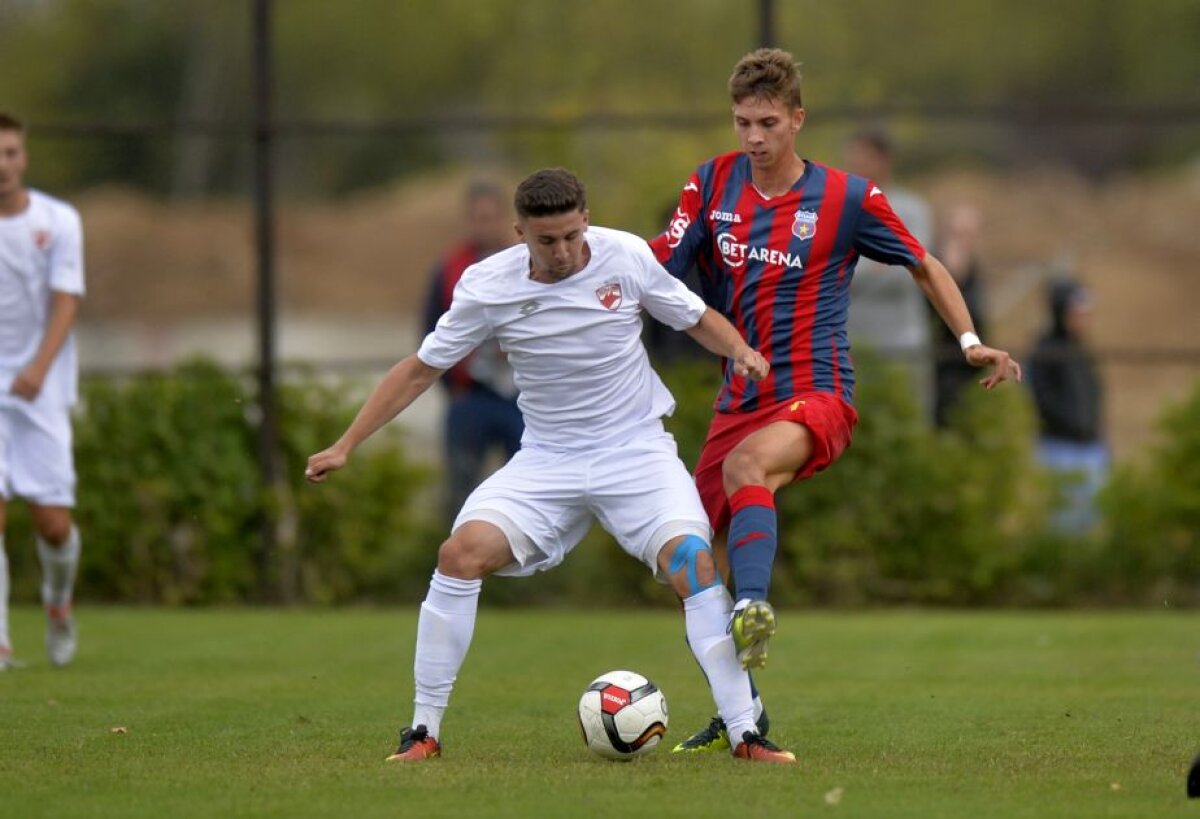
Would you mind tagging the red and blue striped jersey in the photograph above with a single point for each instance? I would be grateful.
(779, 268)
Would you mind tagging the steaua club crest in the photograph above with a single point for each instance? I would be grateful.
(805, 226)
(609, 295)
(41, 238)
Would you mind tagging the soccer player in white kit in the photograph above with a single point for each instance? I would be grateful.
(565, 305)
(41, 283)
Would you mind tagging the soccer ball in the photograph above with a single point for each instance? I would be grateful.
(622, 715)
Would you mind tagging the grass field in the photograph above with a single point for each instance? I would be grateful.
(909, 714)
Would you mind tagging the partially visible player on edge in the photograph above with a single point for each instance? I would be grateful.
(41, 283)
(565, 304)
(776, 238)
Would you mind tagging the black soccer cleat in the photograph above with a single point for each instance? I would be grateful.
(714, 737)
(1193, 783)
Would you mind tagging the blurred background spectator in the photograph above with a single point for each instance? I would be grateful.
(481, 416)
(957, 248)
(1069, 398)
(887, 310)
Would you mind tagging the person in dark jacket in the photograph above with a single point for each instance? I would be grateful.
(482, 413)
(958, 249)
(1069, 398)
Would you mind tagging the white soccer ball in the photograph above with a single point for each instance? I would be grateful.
(622, 715)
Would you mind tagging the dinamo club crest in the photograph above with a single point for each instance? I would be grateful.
(609, 295)
(805, 226)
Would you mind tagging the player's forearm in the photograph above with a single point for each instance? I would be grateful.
(64, 307)
(943, 292)
(402, 385)
(714, 333)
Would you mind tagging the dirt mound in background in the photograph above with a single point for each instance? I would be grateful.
(158, 263)
(1136, 242)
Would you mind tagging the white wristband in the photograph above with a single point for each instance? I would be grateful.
(967, 340)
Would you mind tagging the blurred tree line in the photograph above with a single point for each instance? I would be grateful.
(426, 62)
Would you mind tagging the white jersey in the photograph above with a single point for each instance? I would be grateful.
(41, 250)
(574, 345)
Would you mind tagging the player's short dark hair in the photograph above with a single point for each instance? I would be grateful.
(769, 74)
(548, 192)
(10, 123)
(877, 139)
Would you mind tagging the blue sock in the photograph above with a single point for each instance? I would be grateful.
(752, 540)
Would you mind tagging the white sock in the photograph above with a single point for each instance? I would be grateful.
(444, 632)
(4, 640)
(59, 564)
(706, 616)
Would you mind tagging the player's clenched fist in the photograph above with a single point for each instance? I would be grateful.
(321, 464)
(751, 364)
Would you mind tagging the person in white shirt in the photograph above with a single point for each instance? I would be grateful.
(565, 306)
(41, 284)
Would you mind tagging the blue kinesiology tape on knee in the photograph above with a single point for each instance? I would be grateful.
(686, 555)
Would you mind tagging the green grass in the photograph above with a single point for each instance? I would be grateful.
(290, 713)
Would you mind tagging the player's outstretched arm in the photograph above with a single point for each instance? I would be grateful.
(399, 388)
(714, 333)
(942, 291)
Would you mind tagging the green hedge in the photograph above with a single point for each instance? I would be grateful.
(170, 502)
(961, 516)
(171, 505)
(1152, 545)
(908, 514)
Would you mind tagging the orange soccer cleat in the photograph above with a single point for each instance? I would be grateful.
(416, 745)
(757, 748)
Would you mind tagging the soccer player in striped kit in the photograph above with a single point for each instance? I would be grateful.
(776, 238)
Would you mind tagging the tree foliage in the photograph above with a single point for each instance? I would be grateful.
(131, 61)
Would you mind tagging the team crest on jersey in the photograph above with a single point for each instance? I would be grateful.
(805, 226)
(41, 238)
(609, 295)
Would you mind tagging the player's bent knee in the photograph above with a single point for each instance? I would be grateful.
(474, 551)
(691, 566)
(741, 469)
(52, 526)
(457, 558)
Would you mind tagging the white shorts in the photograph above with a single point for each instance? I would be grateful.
(35, 453)
(544, 501)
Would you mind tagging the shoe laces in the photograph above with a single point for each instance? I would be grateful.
(751, 738)
(411, 736)
(710, 734)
